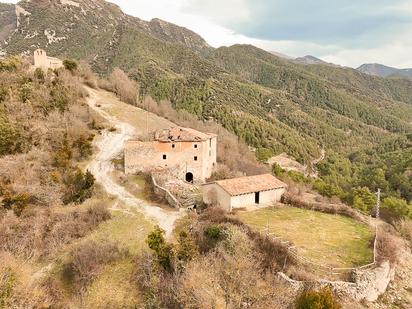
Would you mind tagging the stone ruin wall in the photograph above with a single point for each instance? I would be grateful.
(367, 284)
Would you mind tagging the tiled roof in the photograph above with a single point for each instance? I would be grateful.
(250, 184)
(179, 134)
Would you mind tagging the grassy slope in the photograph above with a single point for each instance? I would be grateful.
(326, 239)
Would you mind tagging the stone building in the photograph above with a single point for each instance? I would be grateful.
(184, 153)
(41, 60)
(260, 190)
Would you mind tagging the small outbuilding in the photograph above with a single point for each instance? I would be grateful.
(260, 190)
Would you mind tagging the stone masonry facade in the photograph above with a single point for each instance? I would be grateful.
(182, 152)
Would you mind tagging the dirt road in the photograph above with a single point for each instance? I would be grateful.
(110, 145)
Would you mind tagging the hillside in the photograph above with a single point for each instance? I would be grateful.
(8, 22)
(274, 105)
(384, 71)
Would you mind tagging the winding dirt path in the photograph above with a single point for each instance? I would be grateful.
(110, 145)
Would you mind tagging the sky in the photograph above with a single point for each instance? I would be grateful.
(345, 32)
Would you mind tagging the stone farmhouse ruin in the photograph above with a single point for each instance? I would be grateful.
(183, 153)
(260, 190)
(42, 61)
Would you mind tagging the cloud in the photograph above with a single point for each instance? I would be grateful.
(320, 21)
(347, 32)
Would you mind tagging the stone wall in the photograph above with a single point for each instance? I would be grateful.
(164, 193)
(368, 284)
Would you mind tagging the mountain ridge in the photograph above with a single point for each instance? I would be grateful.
(381, 70)
(284, 106)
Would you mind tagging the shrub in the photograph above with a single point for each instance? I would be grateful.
(277, 170)
(70, 65)
(59, 99)
(84, 146)
(213, 232)
(322, 299)
(164, 252)
(79, 187)
(298, 177)
(124, 87)
(10, 64)
(25, 92)
(328, 190)
(363, 199)
(263, 154)
(394, 209)
(405, 228)
(88, 259)
(186, 249)
(63, 155)
(39, 74)
(11, 140)
(387, 247)
(17, 202)
(329, 208)
(44, 232)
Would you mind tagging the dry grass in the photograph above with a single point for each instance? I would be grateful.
(330, 240)
(229, 276)
(136, 117)
(87, 260)
(113, 288)
(43, 233)
(17, 288)
(127, 227)
(135, 184)
(405, 229)
(388, 247)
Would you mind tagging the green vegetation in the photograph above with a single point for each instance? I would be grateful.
(70, 65)
(327, 239)
(322, 299)
(363, 122)
(11, 139)
(164, 252)
(79, 187)
(395, 209)
(17, 202)
(10, 64)
(44, 125)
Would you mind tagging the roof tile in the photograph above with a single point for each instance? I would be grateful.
(250, 184)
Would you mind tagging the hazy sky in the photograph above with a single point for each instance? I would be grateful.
(347, 32)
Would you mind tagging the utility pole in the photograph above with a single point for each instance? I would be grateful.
(378, 203)
(147, 117)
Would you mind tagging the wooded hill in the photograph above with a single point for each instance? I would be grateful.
(271, 103)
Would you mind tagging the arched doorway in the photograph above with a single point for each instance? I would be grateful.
(189, 177)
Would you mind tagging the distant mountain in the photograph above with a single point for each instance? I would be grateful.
(280, 55)
(381, 70)
(310, 60)
(267, 101)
